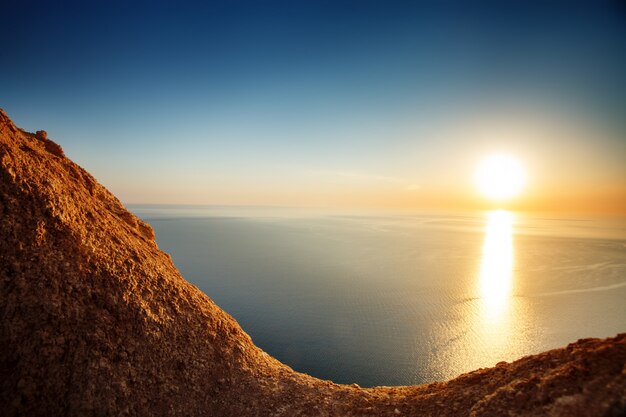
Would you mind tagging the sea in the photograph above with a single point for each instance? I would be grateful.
(400, 298)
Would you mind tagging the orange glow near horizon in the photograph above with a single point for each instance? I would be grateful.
(524, 180)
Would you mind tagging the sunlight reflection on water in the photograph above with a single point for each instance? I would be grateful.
(491, 324)
(496, 268)
(496, 318)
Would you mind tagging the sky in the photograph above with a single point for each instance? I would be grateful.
(364, 104)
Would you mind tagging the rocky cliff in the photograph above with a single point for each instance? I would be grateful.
(96, 320)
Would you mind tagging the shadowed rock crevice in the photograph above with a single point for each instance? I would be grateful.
(96, 320)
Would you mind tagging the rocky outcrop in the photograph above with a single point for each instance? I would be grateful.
(96, 320)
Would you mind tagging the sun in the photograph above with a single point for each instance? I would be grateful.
(500, 177)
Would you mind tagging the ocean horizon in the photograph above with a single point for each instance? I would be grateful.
(400, 298)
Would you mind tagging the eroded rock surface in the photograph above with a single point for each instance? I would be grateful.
(96, 320)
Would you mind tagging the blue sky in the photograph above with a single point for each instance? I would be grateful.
(306, 102)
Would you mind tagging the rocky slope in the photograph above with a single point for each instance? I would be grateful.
(96, 320)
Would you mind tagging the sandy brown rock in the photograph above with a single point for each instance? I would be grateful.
(96, 320)
(42, 135)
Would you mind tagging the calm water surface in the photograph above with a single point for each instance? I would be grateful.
(396, 299)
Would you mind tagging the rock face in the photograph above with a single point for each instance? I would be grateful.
(96, 320)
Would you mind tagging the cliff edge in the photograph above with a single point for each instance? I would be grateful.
(96, 320)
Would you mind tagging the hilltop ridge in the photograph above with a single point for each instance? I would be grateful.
(97, 320)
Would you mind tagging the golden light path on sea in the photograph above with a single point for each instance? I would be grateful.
(496, 268)
(496, 316)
